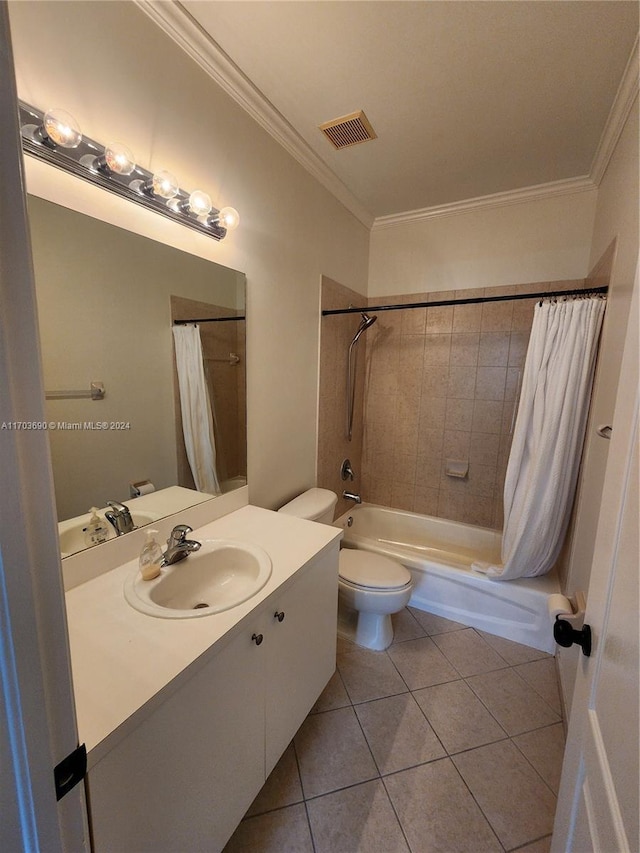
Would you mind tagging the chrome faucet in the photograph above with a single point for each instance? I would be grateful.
(351, 496)
(178, 546)
(120, 518)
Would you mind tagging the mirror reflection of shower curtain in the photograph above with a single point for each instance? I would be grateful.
(549, 433)
(195, 405)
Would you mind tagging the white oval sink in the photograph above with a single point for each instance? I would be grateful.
(71, 532)
(221, 575)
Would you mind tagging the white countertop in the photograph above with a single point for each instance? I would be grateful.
(121, 658)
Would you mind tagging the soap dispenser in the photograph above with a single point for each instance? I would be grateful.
(150, 557)
(96, 530)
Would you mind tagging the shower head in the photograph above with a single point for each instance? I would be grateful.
(364, 324)
(367, 320)
(351, 367)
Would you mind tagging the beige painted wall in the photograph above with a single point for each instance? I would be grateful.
(124, 79)
(616, 220)
(542, 240)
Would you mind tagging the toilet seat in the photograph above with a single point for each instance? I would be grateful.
(363, 569)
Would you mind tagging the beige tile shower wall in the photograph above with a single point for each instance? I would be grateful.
(218, 342)
(442, 385)
(336, 334)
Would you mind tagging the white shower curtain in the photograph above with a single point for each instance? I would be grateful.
(197, 420)
(548, 436)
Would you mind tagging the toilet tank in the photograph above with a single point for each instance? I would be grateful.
(314, 505)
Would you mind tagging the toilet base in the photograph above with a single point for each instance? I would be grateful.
(369, 630)
(374, 631)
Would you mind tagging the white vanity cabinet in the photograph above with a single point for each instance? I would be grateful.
(184, 777)
(300, 654)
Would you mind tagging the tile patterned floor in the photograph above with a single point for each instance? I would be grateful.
(449, 742)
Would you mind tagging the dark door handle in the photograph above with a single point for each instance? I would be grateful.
(566, 635)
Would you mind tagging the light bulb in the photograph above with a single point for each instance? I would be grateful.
(229, 218)
(199, 203)
(117, 159)
(164, 185)
(61, 128)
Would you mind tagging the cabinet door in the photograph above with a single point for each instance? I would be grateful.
(302, 651)
(184, 778)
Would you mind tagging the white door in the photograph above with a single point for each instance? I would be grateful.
(598, 799)
(37, 714)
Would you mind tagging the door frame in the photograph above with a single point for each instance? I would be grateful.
(583, 723)
(37, 711)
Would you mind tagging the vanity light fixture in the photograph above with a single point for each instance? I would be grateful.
(117, 159)
(198, 204)
(55, 137)
(59, 128)
(162, 184)
(228, 217)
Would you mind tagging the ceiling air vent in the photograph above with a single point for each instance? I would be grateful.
(348, 130)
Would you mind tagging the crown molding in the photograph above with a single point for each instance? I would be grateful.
(618, 115)
(541, 191)
(178, 24)
(184, 30)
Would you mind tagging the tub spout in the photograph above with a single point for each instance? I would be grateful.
(351, 496)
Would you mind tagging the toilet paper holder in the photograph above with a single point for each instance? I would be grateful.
(141, 487)
(571, 609)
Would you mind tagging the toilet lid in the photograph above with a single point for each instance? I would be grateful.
(373, 570)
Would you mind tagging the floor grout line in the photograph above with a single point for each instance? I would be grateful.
(528, 760)
(304, 799)
(528, 843)
(473, 797)
(402, 829)
(548, 704)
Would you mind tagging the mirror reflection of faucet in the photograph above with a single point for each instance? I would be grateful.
(120, 517)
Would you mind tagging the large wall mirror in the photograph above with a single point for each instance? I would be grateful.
(107, 300)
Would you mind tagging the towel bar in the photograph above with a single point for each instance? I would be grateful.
(95, 392)
(233, 359)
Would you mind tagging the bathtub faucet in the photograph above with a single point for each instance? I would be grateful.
(351, 496)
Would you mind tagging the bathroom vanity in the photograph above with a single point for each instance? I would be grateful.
(184, 719)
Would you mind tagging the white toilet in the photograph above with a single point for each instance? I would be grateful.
(370, 587)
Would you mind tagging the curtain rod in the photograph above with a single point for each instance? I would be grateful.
(207, 320)
(472, 300)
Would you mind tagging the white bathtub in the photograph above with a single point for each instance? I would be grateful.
(439, 553)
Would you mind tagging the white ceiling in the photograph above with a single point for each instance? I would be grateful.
(468, 98)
